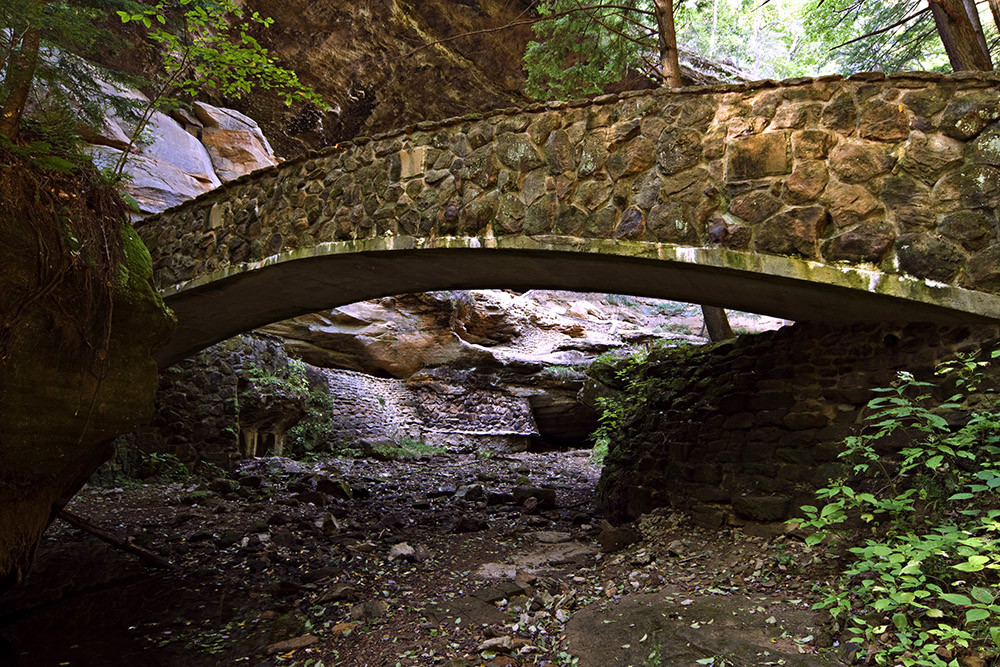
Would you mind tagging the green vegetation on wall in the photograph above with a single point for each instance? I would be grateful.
(920, 517)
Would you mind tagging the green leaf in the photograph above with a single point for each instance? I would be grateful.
(982, 595)
(973, 564)
(974, 615)
(956, 598)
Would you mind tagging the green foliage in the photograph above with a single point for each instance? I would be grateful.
(639, 388)
(581, 48)
(68, 90)
(209, 45)
(164, 467)
(405, 448)
(581, 52)
(763, 40)
(42, 154)
(292, 378)
(922, 509)
(314, 431)
(913, 45)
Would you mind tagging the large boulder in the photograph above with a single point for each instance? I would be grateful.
(75, 348)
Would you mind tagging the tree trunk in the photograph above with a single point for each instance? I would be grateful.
(973, 13)
(716, 320)
(670, 68)
(995, 8)
(717, 323)
(962, 41)
(20, 74)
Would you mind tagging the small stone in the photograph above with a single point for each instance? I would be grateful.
(339, 593)
(792, 232)
(469, 525)
(337, 488)
(966, 116)
(546, 497)
(518, 152)
(859, 162)
(929, 156)
(806, 182)
(841, 113)
(868, 242)
(926, 256)
(884, 122)
(470, 492)
(369, 610)
(313, 497)
(755, 206)
(497, 644)
(758, 156)
(551, 536)
(614, 539)
(292, 644)
(678, 149)
(403, 551)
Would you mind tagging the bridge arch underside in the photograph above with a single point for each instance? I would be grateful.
(222, 304)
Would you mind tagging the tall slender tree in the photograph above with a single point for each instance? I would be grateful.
(716, 320)
(602, 40)
(961, 32)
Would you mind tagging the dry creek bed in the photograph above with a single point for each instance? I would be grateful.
(446, 560)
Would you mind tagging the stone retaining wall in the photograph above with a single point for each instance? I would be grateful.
(746, 430)
(434, 412)
(210, 409)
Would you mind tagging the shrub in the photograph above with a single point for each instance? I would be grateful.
(922, 513)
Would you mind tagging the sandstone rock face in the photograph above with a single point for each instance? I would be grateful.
(531, 346)
(234, 142)
(188, 155)
(71, 379)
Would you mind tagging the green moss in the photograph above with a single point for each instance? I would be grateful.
(135, 273)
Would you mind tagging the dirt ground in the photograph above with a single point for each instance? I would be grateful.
(450, 559)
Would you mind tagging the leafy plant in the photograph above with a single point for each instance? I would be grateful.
(314, 431)
(637, 389)
(209, 45)
(923, 509)
(163, 466)
(292, 378)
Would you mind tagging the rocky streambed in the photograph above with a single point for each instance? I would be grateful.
(441, 559)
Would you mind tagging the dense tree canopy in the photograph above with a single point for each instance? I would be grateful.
(584, 45)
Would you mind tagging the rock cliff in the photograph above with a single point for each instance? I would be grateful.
(80, 320)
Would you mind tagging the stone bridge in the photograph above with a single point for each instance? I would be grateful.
(870, 198)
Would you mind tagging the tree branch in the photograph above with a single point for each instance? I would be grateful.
(885, 29)
(520, 22)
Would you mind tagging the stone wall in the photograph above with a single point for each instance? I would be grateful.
(210, 408)
(745, 430)
(425, 408)
(238, 399)
(898, 172)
